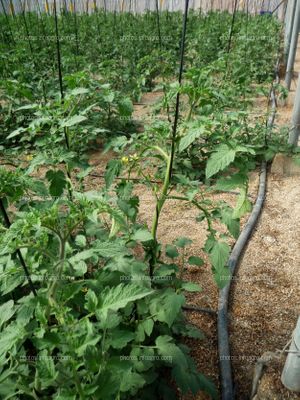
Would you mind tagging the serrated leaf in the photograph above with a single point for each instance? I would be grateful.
(7, 310)
(222, 276)
(243, 205)
(132, 382)
(232, 182)
(125, 107)
(78, 91)
(166, 306)
(113, 169)
(219, 254)
(109, 249)
(190, 137)
(120, 338)
(57, 181)
(46, 369)
(147, 326)
(219, 160)
(194, 260)
(10, 336)
(15, 133)
(171, 353)
(182, 242)
(171, 251)
(191, 287)
(75, 120)
(82, 256)
(233, 224)
(91, 301)
(80, 240)
(118, 297)
(142, 235)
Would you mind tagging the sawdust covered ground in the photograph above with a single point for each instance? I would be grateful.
(265, 302)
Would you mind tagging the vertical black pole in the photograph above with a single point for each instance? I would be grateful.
(158, 25)
(22, 261)
(182, 51)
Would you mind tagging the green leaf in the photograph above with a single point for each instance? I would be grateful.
(113, 169)
(125, 107)
(191, 287)
(120, 338)
(182, 242)
(82, 256)
(166, 306)
(219, 160)
(193, 260)
(192, 332)
(75, 120)
(190, 137)
(296, 160)
(91, 301)
(10, 336)
(78, 91)
(219, 254)
(46, 369)
(57, 181)
(132, 382)
(118, 297)
(109, 249)
(16, 133)
(147, 326)
(171, 251)
(207, 386)
(233, 224)
(142, 235)
(80, 240)
(222, 276)
(171, 353)
(78, 261)
(6, 311)
(243, 205)
(232, 182)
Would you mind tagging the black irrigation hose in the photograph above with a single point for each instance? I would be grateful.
(22, 261)
(223, 335)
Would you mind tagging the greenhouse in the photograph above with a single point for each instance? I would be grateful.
(149, 199)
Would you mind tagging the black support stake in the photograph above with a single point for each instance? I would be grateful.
(31, 48)
(7, 21)
(22, 261)
(76, 33)
(182, 51)
(232, 26)
(158, 25)
(62, 94)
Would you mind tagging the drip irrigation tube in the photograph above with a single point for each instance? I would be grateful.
(223, 335)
